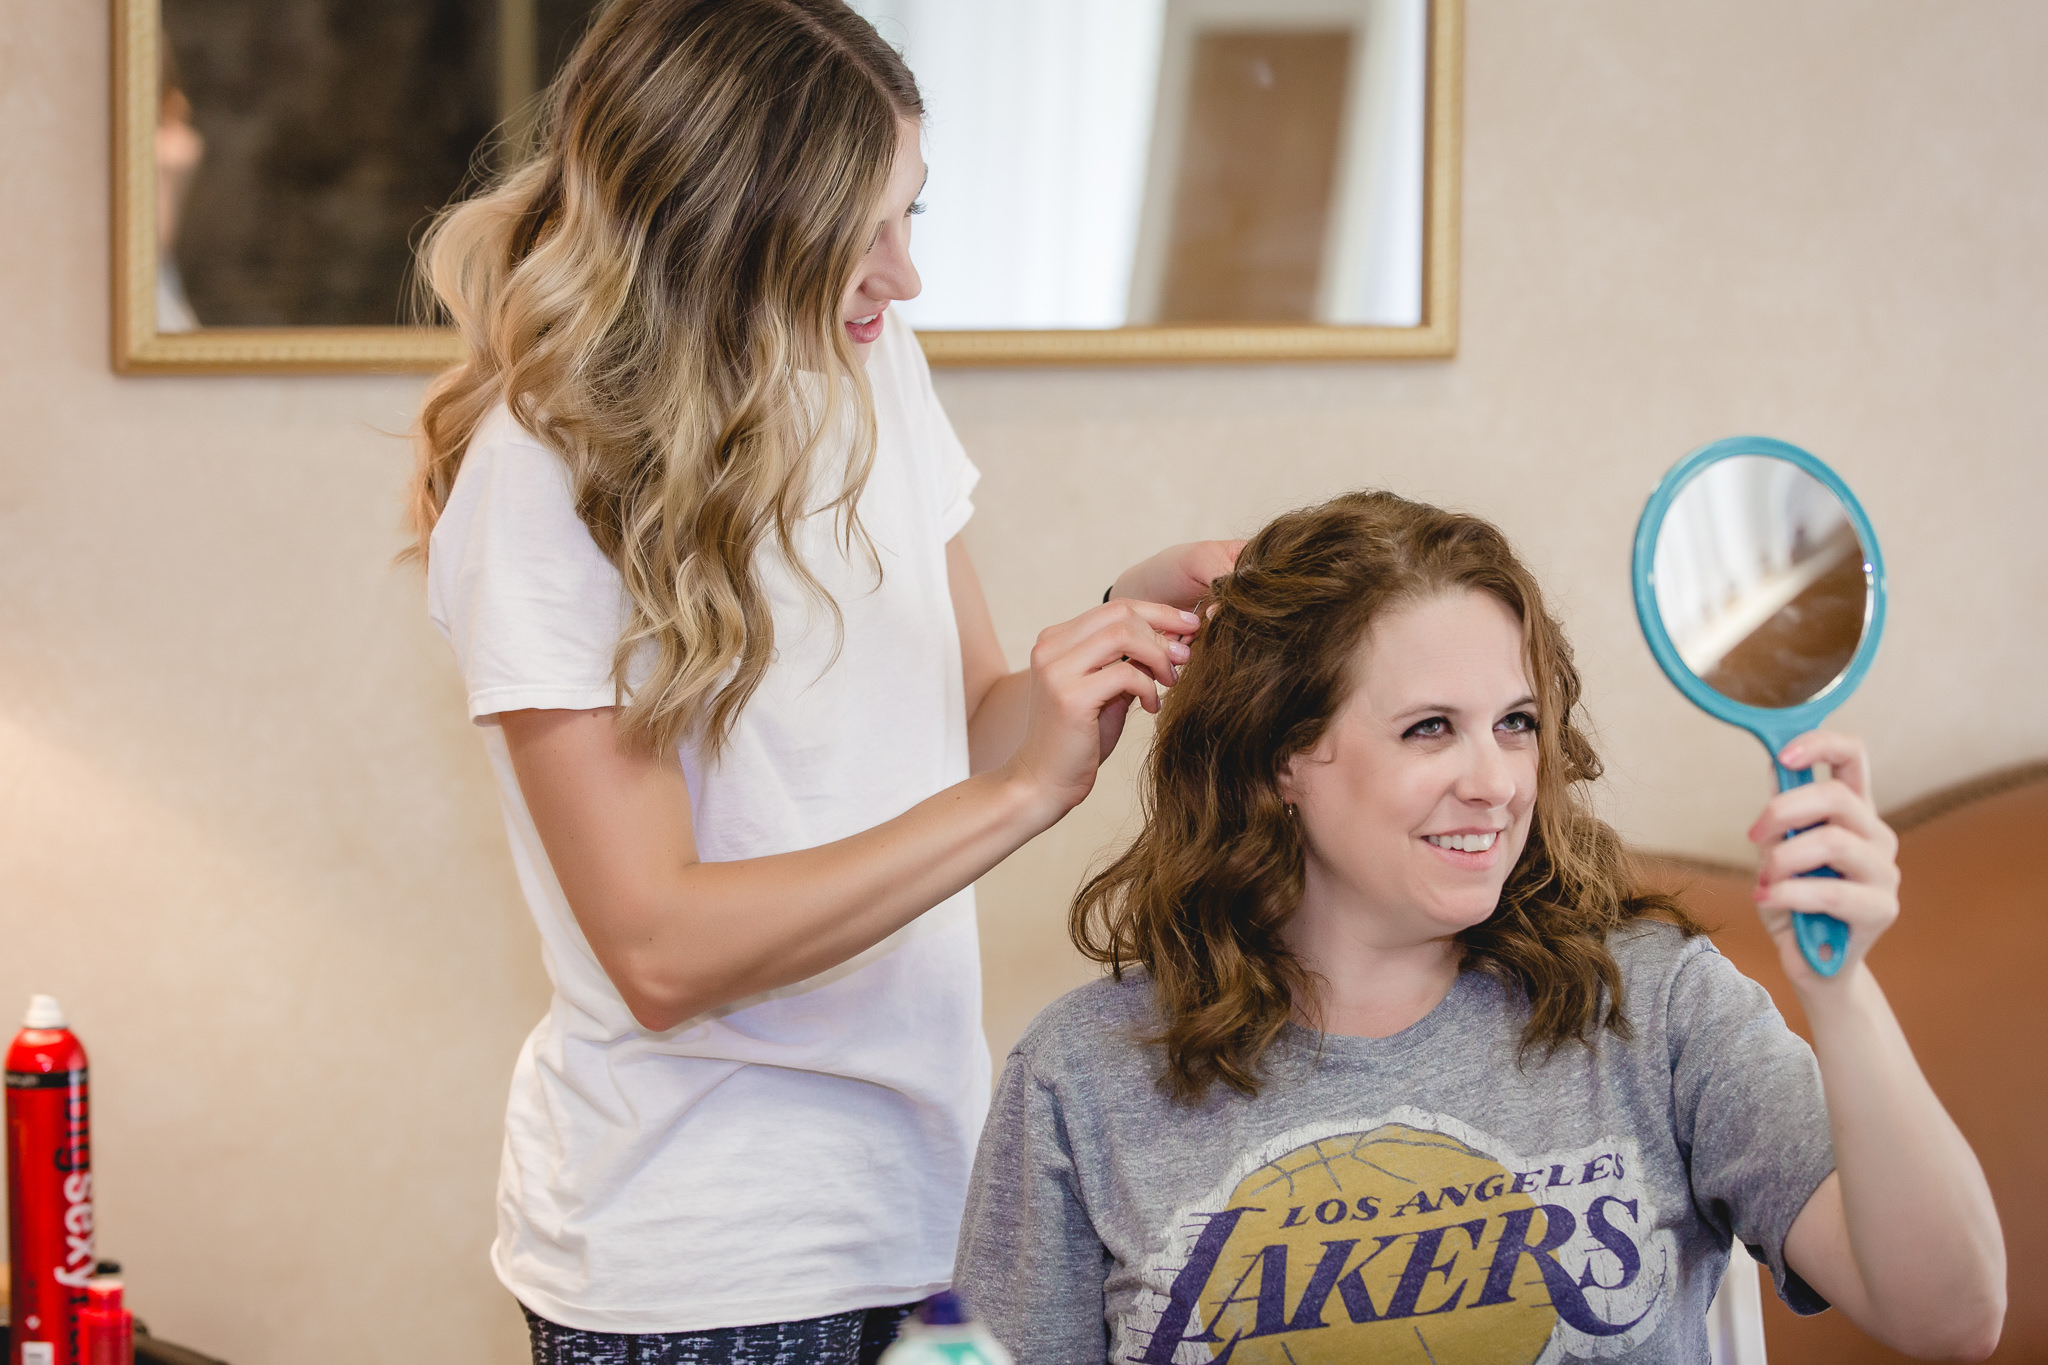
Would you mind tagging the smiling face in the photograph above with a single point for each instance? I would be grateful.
(885, 274)
(1416, 802)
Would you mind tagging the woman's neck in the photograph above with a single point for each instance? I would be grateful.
(1370, 989)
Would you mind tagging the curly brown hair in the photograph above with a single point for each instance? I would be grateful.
(1200, 896)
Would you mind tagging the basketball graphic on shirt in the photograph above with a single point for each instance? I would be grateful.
(1410, 1239)
(1376, 1246)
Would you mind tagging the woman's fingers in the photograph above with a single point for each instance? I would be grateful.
(1086, 693)
(1827, 824)
(1847, 759)
(1866, 911)
(1827, 802)
(1084, 675)
(1109, 728)
(1854, 903)
(1158, 616)
(1144, 633)
(1845, 852)
(1117, 686)
(1127, 612)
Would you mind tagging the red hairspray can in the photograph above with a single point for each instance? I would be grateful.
(49, 1187)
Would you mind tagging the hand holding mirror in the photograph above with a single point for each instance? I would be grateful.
(1760, 589)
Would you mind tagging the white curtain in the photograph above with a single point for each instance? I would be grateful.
(1039, 124)
(1373, 264)
(1039, 129)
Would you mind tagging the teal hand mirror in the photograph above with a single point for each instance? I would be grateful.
(1761, 591)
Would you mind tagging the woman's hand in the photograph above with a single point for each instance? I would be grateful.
(1084, 674)
(1838, 828)
(1179, 575)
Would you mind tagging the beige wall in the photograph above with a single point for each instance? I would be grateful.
(247, 837)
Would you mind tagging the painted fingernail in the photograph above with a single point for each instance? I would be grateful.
(1190, 618)
(1177, 652)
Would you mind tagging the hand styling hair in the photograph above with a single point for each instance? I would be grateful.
(1200, 896)
(656, 295)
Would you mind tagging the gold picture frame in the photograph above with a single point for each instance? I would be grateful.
(139, 348)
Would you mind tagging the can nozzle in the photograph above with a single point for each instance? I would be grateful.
(44, 1012)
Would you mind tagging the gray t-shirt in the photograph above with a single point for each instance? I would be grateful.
(1419, 1198)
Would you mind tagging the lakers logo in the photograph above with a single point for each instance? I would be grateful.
(1409, 1239)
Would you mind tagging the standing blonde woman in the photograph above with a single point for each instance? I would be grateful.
(690, 511)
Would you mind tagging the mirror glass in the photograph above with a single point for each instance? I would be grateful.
(302, 145)
(1761, 581)
(1103, 163)
(1112, 180)
(1095, 163)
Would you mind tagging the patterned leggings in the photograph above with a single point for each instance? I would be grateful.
(856, 1338)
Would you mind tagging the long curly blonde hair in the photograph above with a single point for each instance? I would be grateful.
(655, 295)
(1200, 896)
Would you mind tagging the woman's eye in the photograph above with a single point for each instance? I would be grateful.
(1436, 727)
(1521, 723)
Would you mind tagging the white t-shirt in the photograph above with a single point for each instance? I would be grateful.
(801, 1152)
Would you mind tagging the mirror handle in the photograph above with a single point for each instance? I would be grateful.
(1823, 939)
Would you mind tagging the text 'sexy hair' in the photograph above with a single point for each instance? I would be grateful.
(1199, 897)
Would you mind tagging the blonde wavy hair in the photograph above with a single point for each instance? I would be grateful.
(655, 294)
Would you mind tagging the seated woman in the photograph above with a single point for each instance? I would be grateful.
(1397, 1061)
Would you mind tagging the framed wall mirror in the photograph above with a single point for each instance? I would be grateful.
(1112, 180)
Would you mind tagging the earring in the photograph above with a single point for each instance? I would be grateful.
(1289, 808)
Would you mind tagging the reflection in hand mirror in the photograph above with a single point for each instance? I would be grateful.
(1761, 581)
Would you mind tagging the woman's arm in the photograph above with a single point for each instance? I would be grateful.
(1030, 1263)
(1177, 576)
(1903, 1237)
(679, 936)
(995, 695)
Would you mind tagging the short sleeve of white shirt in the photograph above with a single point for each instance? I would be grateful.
(532, 607)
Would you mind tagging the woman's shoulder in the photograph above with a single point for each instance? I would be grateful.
(509, 553)
(507, 472)
(1680, 983)
(500, 439)
(1100, 1026)
(1653, 947)
(1653, 955)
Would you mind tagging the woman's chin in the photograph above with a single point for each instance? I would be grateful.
(1468, 908)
